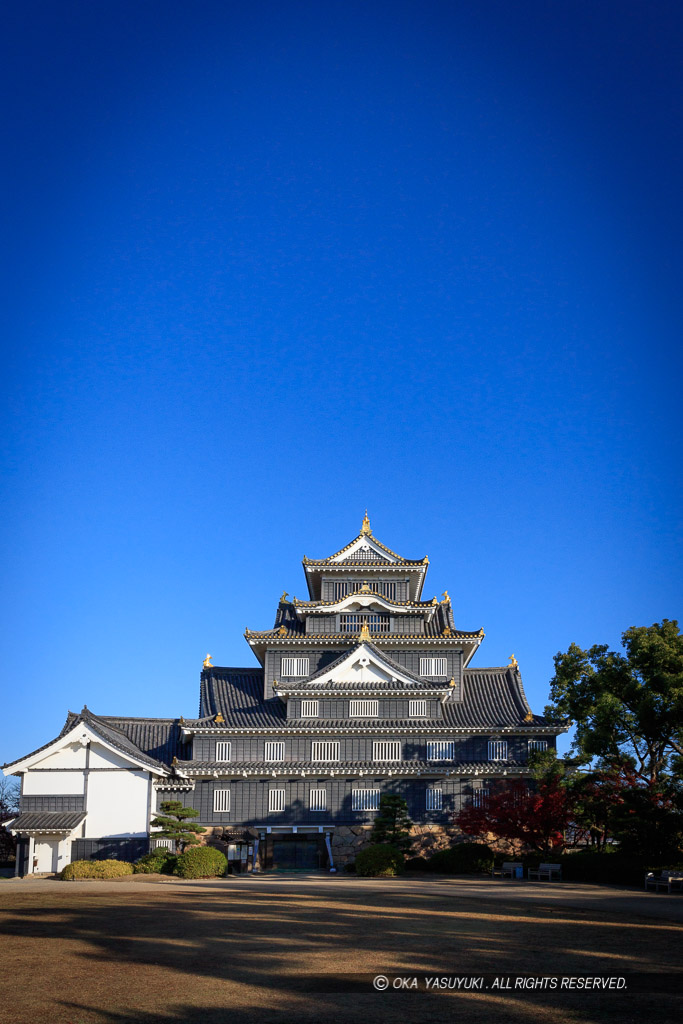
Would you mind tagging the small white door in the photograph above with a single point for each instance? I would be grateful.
(45, 855)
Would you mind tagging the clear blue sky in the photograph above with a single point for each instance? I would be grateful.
(272, 263)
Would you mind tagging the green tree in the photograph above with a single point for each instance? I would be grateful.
(173, 824)
(392, 824)
(628, 708)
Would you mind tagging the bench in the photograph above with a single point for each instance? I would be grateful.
(546, 873)
(512, 869)
(668, 881)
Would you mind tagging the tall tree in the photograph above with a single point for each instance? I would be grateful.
(173, 824)
(392, 824)
(628, 708)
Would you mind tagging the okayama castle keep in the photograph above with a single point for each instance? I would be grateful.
(363, 689)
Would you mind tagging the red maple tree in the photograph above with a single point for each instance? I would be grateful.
(538, 819)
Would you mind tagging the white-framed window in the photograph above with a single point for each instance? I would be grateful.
(434, 799)
(294, 666)
(276, 799)
(364, 799)
(162, 844)
(318, 800)
(310, 708)
(417, 709)
(433, 667)
(275, 750)
(325, 750)
(386, 750)
(441, 750)
(498, 750)
(537, 746)
(221, 801)
(223, 749)
(363, 708)
(480, 797)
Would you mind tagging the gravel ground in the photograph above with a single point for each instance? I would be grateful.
(154, 950)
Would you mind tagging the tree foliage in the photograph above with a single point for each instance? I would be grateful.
(173, 824)
(538, 818)
(628, 708)
(392, 824)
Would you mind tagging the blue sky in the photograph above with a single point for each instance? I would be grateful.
(270, 264)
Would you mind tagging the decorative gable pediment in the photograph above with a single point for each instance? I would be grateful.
(365, 549)
(364, 667)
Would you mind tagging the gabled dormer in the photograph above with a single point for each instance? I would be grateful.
(364, 557)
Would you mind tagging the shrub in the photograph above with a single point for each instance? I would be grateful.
(158, 862)
(379, 859)
(462, 859)
(417, 864)
(95, 869)
(201, 862)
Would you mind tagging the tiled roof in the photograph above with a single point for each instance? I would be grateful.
(47, 821)
(237, 694)
(365, 537)
(492, 698)
(154, 734)
(291, 631)
(352, 767)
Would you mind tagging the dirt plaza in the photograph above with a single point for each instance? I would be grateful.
(306, 948)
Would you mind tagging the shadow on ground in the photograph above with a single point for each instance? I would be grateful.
(171, 954)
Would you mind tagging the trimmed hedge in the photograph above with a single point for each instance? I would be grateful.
(380, 859)
(417, 864)
(158, 862)
(95, 869)
(201, 862)
(462, 859)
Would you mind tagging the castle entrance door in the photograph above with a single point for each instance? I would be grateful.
(298, 853)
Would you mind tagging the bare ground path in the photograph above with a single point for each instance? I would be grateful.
(164, 951)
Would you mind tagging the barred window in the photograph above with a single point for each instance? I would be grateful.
(353, 623)
(318, 800)
(434, 799)
(386, 750)
(364, 799)
(498, 750)
(480, 797)
(441, 750)
(309, 709)
(221, 800)
(295, 666)
(275, 750)
(223, 750)
(363, 708)
(433, 667)
(341, 589)
(324, 750)
(417, 709)
(276, 799)
(537, 746)
(162, 844)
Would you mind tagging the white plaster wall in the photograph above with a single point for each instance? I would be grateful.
(101, 757)
(71, 756)
(55, 783)
(117, 804)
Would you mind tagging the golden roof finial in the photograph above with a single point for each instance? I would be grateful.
(513, 661)
(365, 528)
(364, 631)
(447, 631)
(446, 597)
(283, 631)
(365, 589)
(452, 682)
(529, 717)
(285, 595)
(219, 719)
(207, 662)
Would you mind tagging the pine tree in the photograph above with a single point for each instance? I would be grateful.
(173, 824)
(392, 824)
